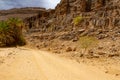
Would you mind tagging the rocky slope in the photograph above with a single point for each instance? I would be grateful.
(57, 31)
(105, 17)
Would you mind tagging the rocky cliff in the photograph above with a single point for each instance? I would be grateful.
(97, 18)
(61, 28)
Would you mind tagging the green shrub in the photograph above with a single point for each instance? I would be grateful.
(3, 26)
(15, 22)
(87, 42)
(77, 20)
(11, 33)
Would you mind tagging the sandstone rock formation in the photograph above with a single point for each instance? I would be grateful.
(103, 15)
(56, 30)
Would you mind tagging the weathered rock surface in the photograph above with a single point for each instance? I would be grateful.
(104, 17)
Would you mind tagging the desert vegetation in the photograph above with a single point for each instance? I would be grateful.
(11, 33)
(77, 20)
(87, 42)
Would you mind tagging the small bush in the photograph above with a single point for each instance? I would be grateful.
(87, 42)
(77, 20)
(11, 33)
(3, 26)
(15, 22)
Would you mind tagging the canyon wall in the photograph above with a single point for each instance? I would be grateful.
(100, 18)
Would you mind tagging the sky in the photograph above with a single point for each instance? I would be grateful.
(8, 4)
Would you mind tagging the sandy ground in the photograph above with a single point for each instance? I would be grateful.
(28, 64)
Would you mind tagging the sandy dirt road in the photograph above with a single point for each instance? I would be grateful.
(28, 64)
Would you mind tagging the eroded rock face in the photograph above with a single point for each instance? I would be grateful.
(104, 15)
(56, 30)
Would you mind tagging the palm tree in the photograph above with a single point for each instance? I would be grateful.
(16, 26)
(15, 22)
(11, 32)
